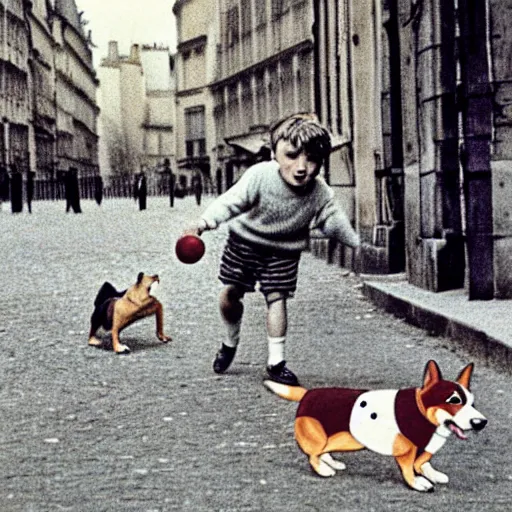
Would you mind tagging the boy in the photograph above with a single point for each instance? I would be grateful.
(273, 206)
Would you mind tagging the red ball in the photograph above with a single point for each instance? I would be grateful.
(189, 249)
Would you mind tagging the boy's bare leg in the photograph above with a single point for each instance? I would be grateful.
(231, 310)
(231, 306)
(277, 318)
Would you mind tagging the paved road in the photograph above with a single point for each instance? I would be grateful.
(83, 429)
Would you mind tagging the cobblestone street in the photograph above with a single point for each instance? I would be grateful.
(83, 429)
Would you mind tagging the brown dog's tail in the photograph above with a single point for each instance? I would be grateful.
(106, 292)
(292, 393)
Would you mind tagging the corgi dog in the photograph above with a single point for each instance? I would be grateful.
(409, 424)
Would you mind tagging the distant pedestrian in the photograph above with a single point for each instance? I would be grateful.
(16, 190)
(30, 189)
(4, 185)
(197, 187)
(168, 172)
(218, 177)
(171, 188)
(271, 209)
(135, 189)
(98, 189)
(142, 190)
(72, 191)
(67, 190)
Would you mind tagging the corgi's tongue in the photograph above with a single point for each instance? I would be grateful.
(457, 431)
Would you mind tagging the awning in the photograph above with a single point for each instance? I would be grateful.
(252, 143)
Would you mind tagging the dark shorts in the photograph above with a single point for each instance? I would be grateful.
(244, 264)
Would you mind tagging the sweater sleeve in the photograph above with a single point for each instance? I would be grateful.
(236, 200)
(334, 223)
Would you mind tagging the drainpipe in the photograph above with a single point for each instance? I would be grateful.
(316, 57)
(397, 152)
(5, 119)
(337, 42)
(320, 54)
(476, 155)
(327, 61)
(451, 259)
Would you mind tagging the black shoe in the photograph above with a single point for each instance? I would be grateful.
(223, 358)
(279, 373)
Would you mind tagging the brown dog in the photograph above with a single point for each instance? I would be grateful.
(116, 310)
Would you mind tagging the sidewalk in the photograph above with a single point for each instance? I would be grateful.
(483, 327)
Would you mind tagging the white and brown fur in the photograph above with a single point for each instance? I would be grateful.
(409, 424)
(115, 310)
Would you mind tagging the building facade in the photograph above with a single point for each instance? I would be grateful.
(425, 122)
(48, 90)
(197, 31)
(416, 96)
(122, 104)
(265, 71)
(347, 92)
(160, 117)
(453, 90)
(44, 113)
(137, 101)
(75, 96)
(495, 29)
(15, 90)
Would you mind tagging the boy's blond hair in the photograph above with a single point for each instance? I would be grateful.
(305, 132)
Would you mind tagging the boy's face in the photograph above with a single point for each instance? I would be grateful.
(297, 168)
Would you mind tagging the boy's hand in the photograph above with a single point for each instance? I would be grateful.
(191, 230)
(195, 229)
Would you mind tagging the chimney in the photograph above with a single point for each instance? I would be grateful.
(135, 54)
(113, 51)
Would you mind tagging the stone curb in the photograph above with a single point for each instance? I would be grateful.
(475, 340)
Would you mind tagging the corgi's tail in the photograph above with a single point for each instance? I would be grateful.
(292, 393)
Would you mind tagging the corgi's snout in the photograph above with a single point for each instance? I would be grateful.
(478, 423)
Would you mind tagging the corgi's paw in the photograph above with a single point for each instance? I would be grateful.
(334, 464)
(321, 468)
(163, 338)
(422, 484)
(122, 349)
(433, 475)
(325, 470)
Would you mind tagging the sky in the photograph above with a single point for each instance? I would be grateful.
(128, 22)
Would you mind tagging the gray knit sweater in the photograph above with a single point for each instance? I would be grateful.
(267, 212)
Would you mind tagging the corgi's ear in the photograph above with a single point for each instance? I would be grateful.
(139, 277)
(432, 374)
(464, 377)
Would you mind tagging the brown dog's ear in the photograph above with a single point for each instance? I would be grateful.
(432, 374)
(464, 377)
(139, 277)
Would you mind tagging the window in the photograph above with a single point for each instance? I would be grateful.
(277, 8)
(246, 8)
(261, 95)
(195, 138)
(261, 12)
(247, 100)
(233, 28)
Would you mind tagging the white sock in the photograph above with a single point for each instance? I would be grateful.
(275, 350)
(233, 334)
